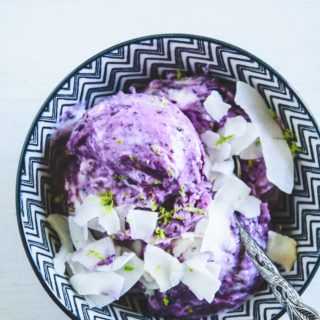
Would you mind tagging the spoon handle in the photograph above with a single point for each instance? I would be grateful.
(286, 295)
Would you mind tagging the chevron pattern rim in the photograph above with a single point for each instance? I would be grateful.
(110, 51)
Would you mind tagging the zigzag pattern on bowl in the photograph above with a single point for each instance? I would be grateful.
(137, 62)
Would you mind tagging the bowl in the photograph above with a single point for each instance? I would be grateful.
(135, 62)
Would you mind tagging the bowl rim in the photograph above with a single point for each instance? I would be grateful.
(72, 73)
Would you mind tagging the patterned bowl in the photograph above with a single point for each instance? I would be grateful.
(136, 62)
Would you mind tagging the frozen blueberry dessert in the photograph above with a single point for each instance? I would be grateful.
(153, 184)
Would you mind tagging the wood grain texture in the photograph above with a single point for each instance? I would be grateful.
(42, 41)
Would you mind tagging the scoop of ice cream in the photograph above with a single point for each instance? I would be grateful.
(145, 151)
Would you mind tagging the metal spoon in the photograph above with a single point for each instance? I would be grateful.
(286, 295)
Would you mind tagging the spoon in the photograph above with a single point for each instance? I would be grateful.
(286, 295)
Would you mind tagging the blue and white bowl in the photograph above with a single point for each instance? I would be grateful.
(137, 62)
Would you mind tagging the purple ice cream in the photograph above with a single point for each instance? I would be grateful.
(143, 149)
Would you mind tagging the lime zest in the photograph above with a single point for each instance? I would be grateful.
(156, 150)
(71, 208)
(182, 192)
(166, 215)
(58, 199)
(272, 113)
(193, 209)
(106, 201)
(119, 177)
(179, 75)
(156, 182)
(288, 135)
(160, 233)
(120, 140)
(250, 163)
(258, 143)
(133, 158)
(95, 254)
(189, 309)
(128, 267)
(141, 197)
(290, 138)
(165, 300)
(224, 139)
(153, 206)
(170, 172)
(294, 148)
(163, 102)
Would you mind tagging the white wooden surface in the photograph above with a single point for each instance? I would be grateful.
(42, 41)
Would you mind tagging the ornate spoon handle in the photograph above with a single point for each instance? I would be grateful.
(286, 295)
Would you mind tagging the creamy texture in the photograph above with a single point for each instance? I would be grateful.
(137, 146)
(145, 149)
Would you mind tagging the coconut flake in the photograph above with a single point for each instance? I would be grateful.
(238, 144)
(74, 267)
(253, 151)
(94, 225)
(197, 262)
(201, 226)
(95, 253)
(187, 246)
(210, 138)
(123, 211)
(282, 249)
(148, 281)
(218, 238)
(207, 168)
(235, 126)
(110, 221)
(279, 163)
(250, 207)
(60, 225)
(229, 197)
(118, 262)
(218, 235)
(163, 267)
(220, 153)
(219, 179)
(142, 224)
(90, 208)
(131, 272)
(214, 268)
(80, 236)
(202, 282)
(181, 245)
(137, 246)
(276, 152)
(233, 192)
(215, 106)
(226, 167)
(216, 152)
(98, 283)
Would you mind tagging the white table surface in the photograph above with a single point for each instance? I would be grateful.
(42, 41)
